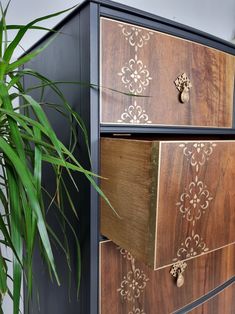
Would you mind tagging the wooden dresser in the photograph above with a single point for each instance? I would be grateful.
(161, 130)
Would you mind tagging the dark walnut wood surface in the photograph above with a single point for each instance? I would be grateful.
(175, 199)
(146, 63)
(223, 303)
(130, 287)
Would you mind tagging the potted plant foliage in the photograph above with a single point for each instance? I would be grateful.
(27, 141)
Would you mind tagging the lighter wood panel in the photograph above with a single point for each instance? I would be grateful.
(147, 63)
(130, 287)
(129, 178)
(223, 303)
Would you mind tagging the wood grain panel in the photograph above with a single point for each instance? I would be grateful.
(130, 287)
(223, 303)
(175, 199)
(146, 63)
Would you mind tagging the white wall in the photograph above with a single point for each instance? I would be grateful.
(216, 17)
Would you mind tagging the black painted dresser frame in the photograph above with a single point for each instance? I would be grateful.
(77, 56)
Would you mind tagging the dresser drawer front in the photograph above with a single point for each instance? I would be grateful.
(222, 303)
(148, 63)
(130, 287)
(175, 199)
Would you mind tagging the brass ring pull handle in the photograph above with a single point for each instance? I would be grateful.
(183, 85)
(177, 272)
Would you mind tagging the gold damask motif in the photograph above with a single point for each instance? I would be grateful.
(134, 114)
(198, 153)
(137, 311)
(135, 76)
(194, 201)
(125, 253)
(137, 37)
(192, 246)
(133, 284)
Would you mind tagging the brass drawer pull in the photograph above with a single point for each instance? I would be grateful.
(183, 84)
(177, 272)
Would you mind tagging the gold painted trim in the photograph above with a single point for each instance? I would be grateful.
(187, 259)
(155, 164)
(167, 125)
(100, 277)
(157, 203)
(195, 141)
(197, 256)
(166, 34)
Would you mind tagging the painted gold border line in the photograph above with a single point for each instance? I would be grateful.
(197, 141)
(157, 203)
(163, 33)
(100, 279)
(196, 256)
(172, 141)
(169, 265)
(162, 125)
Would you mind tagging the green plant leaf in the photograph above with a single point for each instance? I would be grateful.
(3, 26)
(3, 277)
(28, 183)
(10, 50)
(26, 58)
(16, 236)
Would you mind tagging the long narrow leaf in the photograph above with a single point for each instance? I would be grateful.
(3, 277)
(26, 58)
(10, 50)
(16, 236)
(27, 182)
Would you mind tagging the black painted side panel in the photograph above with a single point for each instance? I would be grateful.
(89, 111)
(68, 59)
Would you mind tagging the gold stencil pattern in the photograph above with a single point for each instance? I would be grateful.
(137, 311)
(198, 153)
(192, 246)
(134, 74)
(137, 37)
(196, 199)
(125, 253)
(134, 114)
(133, 284)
